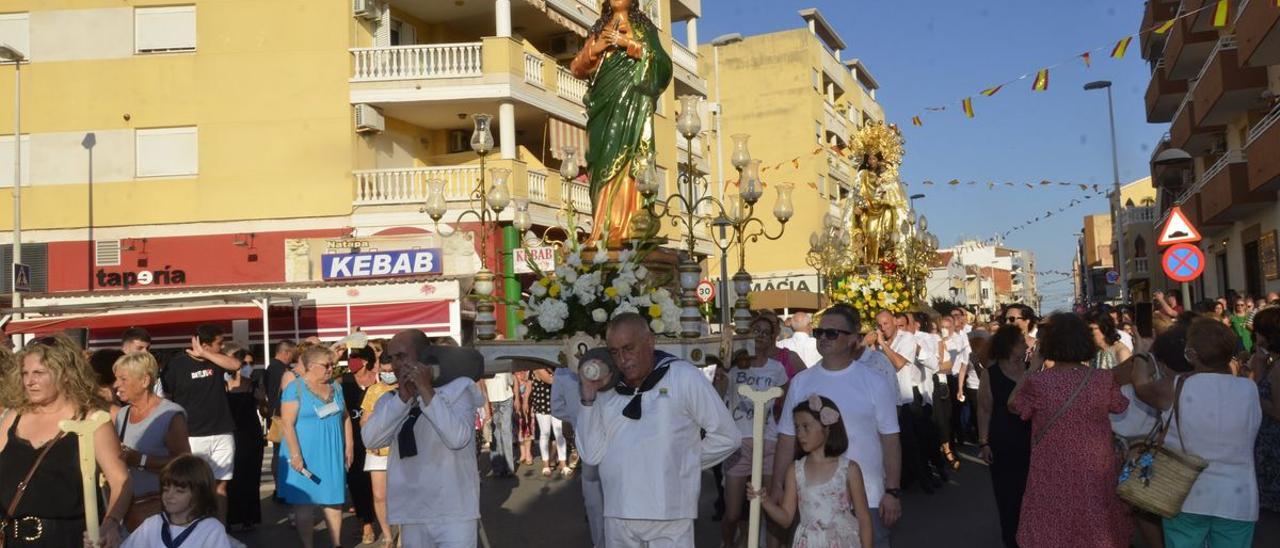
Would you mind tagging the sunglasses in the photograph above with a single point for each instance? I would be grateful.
(829, 334)
(46, 341)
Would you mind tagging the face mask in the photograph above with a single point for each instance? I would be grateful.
(946, 332)
(387, 378)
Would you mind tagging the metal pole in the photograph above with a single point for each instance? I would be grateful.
(715, 54)
(17, 182)
(1117, 225)
(89, 266)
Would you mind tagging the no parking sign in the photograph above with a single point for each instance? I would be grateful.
(1183, 262)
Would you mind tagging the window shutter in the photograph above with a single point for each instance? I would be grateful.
(167, 152)
(171, 28)
(15, 31)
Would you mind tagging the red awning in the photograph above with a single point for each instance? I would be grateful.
(193, 315)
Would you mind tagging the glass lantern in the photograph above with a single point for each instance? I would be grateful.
(521, 220)
(782, 210)
(751, 187)
(569, 164)
(436, 205)
(482, 136)
(740, 155)
(499, 196)
(689, 123)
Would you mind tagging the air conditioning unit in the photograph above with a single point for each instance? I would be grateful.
(459, 141)
(369, 120)
(366, 9)
(565, 46)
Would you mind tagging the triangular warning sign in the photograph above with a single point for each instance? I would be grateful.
(1177, 230)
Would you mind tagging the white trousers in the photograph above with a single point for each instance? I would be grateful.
(644, 533)
(457, 534)
(593, 499)
(547, 425)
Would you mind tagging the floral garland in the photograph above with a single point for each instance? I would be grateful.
(581, 296)
(871, 293)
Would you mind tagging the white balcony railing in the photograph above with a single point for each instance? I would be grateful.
(569, 87)
(409, 185)
(1263, 125)
(1140, 214)
(1141, 265)
(424, 61)
(681, 55)
(580, 195)
(538, 186)
(533, 64)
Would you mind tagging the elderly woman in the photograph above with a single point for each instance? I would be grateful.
(317, 432)
(152, 430)
(57, 385)
(1070, 499)
(1216, 416)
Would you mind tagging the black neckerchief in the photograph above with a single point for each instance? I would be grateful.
(167, 538)
(632, 410)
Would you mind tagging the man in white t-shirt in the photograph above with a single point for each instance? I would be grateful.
(852, 377)
(801, 340)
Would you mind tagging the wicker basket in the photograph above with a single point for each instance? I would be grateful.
(1172, 475)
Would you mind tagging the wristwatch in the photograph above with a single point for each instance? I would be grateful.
(896, 492)
(142, 462)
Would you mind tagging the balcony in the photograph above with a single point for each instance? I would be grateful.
(1224, 88)
(1263, 149)
(491, 69)
(1226, 197)
(1190, 136)
(408, 186)
(838, 167)
(1163, 96)
(1156, 12)
(1139, 267)
(1137, 215)
(685, 66)
(1258, 32)
(1187, 49)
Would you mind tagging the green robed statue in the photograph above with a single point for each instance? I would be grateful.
(627, 70)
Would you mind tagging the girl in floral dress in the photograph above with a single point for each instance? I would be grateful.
(827, 488)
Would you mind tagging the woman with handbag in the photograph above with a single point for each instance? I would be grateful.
(1215, 416)
(153, 431)
(1070, 498)
(40, 461)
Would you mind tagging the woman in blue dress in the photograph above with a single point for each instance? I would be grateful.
(317, 433)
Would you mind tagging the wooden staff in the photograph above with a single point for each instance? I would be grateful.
(83, 431)
(759, 400)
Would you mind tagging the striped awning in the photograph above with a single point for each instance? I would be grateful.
(565, 134)
(566, 22)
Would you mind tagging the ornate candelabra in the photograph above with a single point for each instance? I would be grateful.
(832, 252)
(493, 199)
(749, 228)
(523, 223)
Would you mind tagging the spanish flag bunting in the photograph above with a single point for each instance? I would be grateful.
(967, 103)
(953, 182)
(1220, 14)
(1088, 60)
(1042, 80)
(928, 183)
(1118, 51)
(1163, 28)
(992, 91)
(915, 121)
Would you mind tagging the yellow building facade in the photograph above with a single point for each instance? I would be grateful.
(327, 123)
(797, 97)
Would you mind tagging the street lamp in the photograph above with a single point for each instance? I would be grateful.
(1117, 230)
(913, 198)
(10, 54)
(495, 199)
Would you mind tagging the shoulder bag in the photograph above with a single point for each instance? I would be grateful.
(1159, 478)
(1062, 410)
(9, 518)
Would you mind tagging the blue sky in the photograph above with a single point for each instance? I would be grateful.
(932, 53)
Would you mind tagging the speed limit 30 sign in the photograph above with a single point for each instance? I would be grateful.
(705, 291)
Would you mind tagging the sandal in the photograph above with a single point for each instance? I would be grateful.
(952, 460)
(566, 471)
(546, 472)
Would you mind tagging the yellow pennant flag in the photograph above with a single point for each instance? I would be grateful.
(1163, 28)
(1121, 46)
(1220, 14)
(992, 91)
(1042, 80)
(915, 121)
(967, 103)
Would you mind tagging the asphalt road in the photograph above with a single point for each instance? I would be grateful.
(532, 511)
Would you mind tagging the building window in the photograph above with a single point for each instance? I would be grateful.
(653, 8)
(822, 185)
(817, 130)
(403, 34)
(15, 31)
(817, 81)
(167, 152)
(164, 29)
(6, 160)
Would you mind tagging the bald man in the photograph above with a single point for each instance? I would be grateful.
(644, 435)
(433, 484)
(801, 340)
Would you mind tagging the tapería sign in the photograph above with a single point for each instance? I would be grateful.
(125, 280)
(381, 264)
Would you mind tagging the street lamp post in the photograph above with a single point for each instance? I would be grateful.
(1117, 230)
(493, 198)
(913, 199)
(10, 54)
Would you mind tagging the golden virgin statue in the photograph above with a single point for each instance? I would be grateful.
(884, 204)
(626, 69)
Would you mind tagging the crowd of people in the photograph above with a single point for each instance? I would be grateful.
(1054, 406)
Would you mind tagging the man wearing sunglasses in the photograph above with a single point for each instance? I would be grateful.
(856, 379)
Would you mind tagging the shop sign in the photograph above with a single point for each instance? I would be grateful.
(380, 264)
(125, 280)
(542, 257)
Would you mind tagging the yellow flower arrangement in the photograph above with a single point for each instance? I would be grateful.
(871, 293)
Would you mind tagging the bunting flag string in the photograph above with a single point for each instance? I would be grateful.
(1117, 51)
